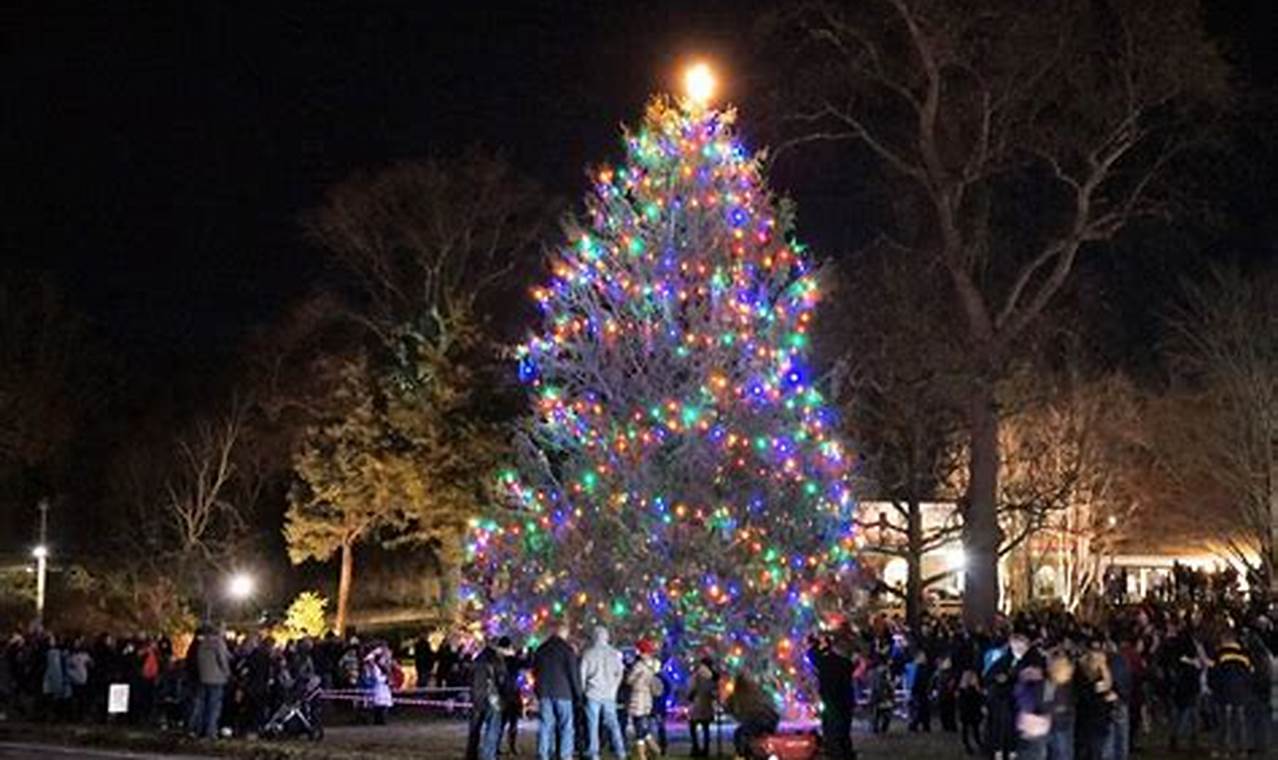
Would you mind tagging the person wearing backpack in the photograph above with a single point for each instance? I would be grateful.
(645, 689)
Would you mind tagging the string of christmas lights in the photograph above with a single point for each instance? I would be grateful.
(682, 477)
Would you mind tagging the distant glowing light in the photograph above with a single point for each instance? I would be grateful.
(699, 83)
(240, 586)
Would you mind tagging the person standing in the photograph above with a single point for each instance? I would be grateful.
(1186, 666)
(79, 663)
(947, 695)
(512, 699)
(55, 688)
(487, 683)
(645, 690)
(213, 664)
(424, 660)
(1002, 736)
(1059, 697)
(256, 684)
(1230, 679)
(601, 673)
(702, 696)
(150, 665)
(834, 670)
(377, 678)
(1033, 714)
(558, 686)
(920, 687)
(1096, 698)
(1121, 674)
(971, 707)
(1261, 680)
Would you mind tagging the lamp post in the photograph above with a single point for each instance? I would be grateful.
(41, 554)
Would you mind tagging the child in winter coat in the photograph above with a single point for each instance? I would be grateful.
(376, 677)
(645, 689)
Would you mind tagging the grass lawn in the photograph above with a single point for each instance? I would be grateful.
(409, 738)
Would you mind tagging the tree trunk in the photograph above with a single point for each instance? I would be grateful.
(1269, 562)
(450, 576)
(344, 587)
(914, 563)
(981, 534)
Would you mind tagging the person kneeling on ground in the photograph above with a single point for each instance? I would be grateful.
(756, 716)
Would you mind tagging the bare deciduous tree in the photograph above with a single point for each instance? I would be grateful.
(1068, 453)
(1021, 133)
(1224, 439)
(429, 240)
(899, 378)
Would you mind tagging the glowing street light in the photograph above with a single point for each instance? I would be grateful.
(240, 586)
(41, 554)
(699, 83)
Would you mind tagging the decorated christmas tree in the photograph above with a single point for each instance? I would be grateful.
(681, 477)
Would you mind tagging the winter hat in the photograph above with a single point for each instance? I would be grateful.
(646, 647)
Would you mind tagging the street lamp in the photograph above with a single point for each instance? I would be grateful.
(240, 586)
(699, 83)
(41, 554)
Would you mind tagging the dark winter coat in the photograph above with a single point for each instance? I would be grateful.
(1231, 677)
(556, 671)
(834, 677)
(424, 660)
(257, 669)
(1186, 674)
(487, 678)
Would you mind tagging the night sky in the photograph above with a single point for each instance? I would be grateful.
(157, 156)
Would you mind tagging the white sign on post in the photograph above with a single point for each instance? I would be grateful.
(118, 699)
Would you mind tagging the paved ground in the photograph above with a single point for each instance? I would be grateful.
(438, 739)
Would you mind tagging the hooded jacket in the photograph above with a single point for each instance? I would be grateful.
(213, 660)
(487, 678)
(601, 669)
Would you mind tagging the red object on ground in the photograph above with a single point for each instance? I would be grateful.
(786, 746)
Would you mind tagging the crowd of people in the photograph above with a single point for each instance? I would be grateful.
(217, 685)
(1189, 672)
(1048, 685)
(586, 695)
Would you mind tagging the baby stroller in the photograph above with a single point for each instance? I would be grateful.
(300, 714)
